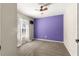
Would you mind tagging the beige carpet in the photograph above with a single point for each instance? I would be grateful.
(43, 48)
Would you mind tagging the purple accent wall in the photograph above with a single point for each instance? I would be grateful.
(50, 28)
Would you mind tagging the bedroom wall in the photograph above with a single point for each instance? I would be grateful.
(50, 28)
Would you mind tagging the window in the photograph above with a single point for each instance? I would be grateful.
(23, 31)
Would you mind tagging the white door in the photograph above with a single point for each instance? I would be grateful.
(9, 29)
(78, 28)
(70, 28)
(0, 28)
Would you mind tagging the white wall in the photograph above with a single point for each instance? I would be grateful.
(70, 28)
(9, 29)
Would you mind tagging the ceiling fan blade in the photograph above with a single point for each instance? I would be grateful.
(38, 10)
(47, 4)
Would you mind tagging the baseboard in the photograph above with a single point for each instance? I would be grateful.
(49, 40)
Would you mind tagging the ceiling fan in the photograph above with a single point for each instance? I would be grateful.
(43, 6)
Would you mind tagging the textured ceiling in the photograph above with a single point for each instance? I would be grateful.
(30, 9)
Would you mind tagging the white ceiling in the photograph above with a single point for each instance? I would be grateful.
(29, 9)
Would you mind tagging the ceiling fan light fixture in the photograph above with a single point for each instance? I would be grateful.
(45, 8)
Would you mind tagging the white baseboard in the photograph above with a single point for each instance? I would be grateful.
(49, 40)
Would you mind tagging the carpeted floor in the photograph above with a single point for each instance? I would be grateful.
(43, 48)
